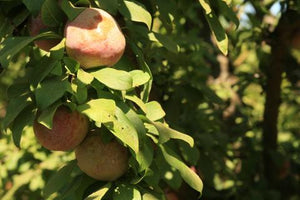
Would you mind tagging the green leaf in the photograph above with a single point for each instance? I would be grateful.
(99, 110)
(109, 5)
(137, 101)
(218, 32)
(34, 6)
(70, 10)
(228, 12)
(145, 156)
(11, 46)
(165, 41)
(205, 5)
(84, 77)
(188, 175)
(46, 117)
(99, 194)
(52, 15)
(50, 91)
(17, 89)
(139, 77)
(57, 52)
(166, 133)
(42, 69)
(148, 196)
(24, 119)
(136, 12)
(114, 79)
(59, 179)
(141, 60)
(123, 129)
(14, 107)
(154, 111)
(123, 192)
(71, 64)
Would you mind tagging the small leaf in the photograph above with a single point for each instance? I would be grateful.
(137, 101)
(123, 192)
(14, 107)
(52, 15)
(99, 110)
(59, 179)
(139, 77)
(50, 91)
(47, 115)
(148, 196)
(24, 119)
(154, 111)
(166, 133)
(165, 41)
(71, 64)
(99, 194)
(188, 175)
(114, 79)
(84, 77)
(205, 5)
(136, 12)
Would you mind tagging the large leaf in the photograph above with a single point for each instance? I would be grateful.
(24, 119)
(216, 27)
(13, 45)
(165, 41)
(52, 15)
(136, 12)
(115, 79)
(84, 77)
(15, 106)
(99, 194)
(59, 179)
(123, 129)
(99, 110)
(42, 69)
(145, 156)
(50, 91)
(188, 175)
(166, 133)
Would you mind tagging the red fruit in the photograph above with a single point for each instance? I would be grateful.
(37, 26)
(94, 39)
(68, 131)
(102, 161)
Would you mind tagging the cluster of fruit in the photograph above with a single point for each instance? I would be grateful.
(93, 39)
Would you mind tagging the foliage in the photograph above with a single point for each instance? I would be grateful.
(173, 71)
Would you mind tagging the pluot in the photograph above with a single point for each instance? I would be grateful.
(102, 161)
(68, 131)
(94, 39)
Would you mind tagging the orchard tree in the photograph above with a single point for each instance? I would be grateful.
(132, 99)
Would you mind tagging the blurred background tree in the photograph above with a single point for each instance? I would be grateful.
(242, 109)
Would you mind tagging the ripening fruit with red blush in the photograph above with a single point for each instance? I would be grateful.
(94, 39)
(68, 131)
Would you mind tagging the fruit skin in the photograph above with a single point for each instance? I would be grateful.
(68, 131)
(102, 161)
(94, 39)
(35, 27)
